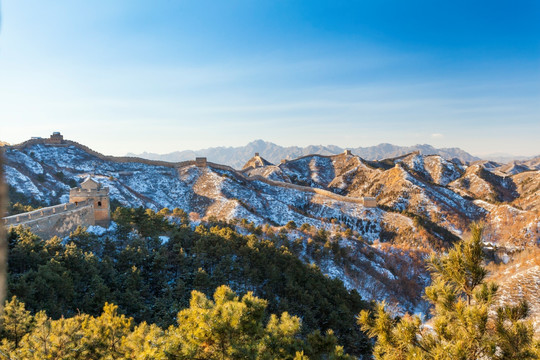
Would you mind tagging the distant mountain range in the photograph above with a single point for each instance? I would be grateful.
(504, 158)
(238, 156)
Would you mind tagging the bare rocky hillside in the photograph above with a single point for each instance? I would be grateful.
(430, 189)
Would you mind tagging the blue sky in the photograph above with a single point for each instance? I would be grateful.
(161, 76)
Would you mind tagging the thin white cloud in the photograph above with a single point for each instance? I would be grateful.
(437, 136)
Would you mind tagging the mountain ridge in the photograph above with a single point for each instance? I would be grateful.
(238, 156)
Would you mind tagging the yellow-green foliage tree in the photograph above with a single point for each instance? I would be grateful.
(232, 328)
(228, 327)
(15, 322)
(462, 327)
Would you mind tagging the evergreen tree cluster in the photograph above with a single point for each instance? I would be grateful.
(227, 327)
(158, 288)
(151, 278)
(465, 324)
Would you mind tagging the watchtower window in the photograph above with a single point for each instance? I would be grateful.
(99, 203)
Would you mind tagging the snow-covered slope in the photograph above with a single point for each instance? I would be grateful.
(519, 166)
(480, 183)
(441, 192)
(43, 172)
(313, 170)
(528, 187)
(520, 280)
(433, 168)
(412, 183)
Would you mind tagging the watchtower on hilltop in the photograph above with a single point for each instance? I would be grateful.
(93, 191)
(55, 138)
(200, 161)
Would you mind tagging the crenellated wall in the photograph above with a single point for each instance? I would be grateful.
(58, 220)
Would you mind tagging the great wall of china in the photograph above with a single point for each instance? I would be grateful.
(58, 220)
(90, 205)
(363, 201)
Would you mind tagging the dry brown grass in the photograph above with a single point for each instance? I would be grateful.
(520, 280)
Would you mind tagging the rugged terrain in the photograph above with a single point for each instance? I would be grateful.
(425, 203)
(441, 195)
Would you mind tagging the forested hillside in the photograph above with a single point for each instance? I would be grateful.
(148, 266)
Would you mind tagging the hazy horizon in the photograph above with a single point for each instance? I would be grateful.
(126, 76)
(485, 156)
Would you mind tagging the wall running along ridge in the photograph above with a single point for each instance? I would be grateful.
(59, 220)
(288, 185)
(119, 159)
(62, 219)
(178, 165)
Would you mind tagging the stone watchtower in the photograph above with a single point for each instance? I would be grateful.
(56, 138)
(92, 190)
(200, 161)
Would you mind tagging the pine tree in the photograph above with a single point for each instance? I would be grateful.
(145, 342)
(15, 322)
(461, 327)
(226, 328)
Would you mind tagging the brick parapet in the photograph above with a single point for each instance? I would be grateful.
(18, 219)
(79, 192)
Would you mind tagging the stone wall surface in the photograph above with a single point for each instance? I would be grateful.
(58, 220)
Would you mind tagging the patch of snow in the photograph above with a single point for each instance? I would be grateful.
(96, 230)
(164, 239)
